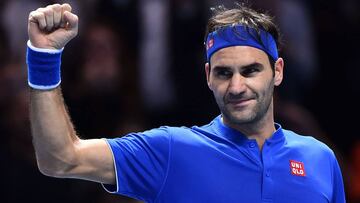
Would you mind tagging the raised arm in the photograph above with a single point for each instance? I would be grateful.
(59, 151)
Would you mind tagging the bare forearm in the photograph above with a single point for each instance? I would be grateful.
(59, 151)
(53, 134)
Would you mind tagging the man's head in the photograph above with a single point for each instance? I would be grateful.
(244, 66)
(248, 19)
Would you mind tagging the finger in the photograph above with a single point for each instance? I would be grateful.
(49, 17)
(64, 7)
(38, 18)
(71, 19)
(57, 14)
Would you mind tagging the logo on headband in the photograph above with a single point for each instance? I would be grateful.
(210, 44)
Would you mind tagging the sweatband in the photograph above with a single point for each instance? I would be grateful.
(43, 67)
(240, 35)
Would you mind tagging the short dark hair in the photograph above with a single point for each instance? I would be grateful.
(245, 16)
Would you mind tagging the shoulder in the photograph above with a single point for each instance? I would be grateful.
(179, 135)
(154, 138)
(295, 139)
(307, 144)
(159, 135)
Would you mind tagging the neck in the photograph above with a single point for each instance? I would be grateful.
(259, 130)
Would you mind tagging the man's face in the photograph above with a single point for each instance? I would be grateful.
(242, 81)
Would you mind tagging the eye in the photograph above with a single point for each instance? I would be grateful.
(223, 73)
(248, 72)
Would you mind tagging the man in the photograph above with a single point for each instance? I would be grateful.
(241, 156)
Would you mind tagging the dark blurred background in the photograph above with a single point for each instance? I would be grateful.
(138, 64)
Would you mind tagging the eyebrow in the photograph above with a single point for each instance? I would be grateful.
(251, 65)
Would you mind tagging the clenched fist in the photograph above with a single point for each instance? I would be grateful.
(52, 27)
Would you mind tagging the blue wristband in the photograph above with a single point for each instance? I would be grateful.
(43, 67)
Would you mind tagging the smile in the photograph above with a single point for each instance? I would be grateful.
(240, 102)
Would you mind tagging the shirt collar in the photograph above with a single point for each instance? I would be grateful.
(239, 138)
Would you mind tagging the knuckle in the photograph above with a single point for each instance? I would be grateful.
(32, 14)
(56, 7)
(40, 10)
(66, 5)
(36, 15)
(48, 12)
(40, 15)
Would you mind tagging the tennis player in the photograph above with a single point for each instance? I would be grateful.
(242, 155)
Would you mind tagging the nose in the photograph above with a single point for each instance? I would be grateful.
(237, 85)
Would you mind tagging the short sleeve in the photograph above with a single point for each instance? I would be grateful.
(338, 185)
(141, 162)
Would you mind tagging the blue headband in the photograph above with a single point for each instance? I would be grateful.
(240, 36)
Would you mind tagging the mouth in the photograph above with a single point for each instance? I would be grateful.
(239, 103)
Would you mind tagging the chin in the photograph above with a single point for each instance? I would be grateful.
(239, 117)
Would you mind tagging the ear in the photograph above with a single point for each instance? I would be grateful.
(279, 70)
(207, 72)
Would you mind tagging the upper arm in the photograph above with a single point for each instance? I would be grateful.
(141, 162)
(94, 161)
(135, 164)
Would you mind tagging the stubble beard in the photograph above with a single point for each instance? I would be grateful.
(250, 114)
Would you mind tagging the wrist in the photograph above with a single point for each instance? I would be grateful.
(44, 50)
(43, 67)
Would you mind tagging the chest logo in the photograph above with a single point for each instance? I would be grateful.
(297, 168)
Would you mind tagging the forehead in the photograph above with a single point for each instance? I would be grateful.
(239, 55)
